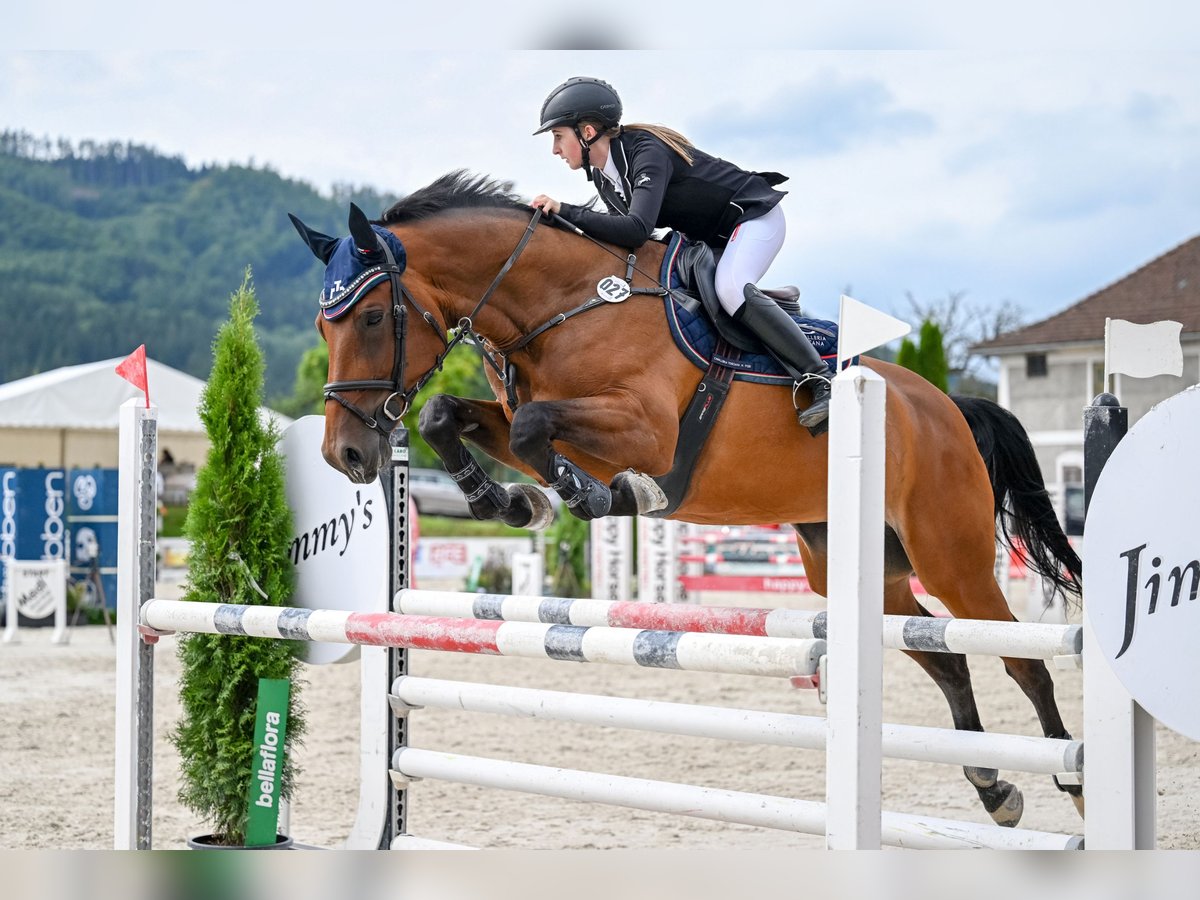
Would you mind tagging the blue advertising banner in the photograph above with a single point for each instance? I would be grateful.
(92, 519)
(8, 520)
(33, 516)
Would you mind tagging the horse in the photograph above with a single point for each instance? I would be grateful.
(588, 400)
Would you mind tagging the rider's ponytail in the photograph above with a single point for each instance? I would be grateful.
(669, 136)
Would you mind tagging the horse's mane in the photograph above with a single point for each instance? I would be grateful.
(455, 190)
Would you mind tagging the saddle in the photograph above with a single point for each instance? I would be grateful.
(692, 266)
(704, 333)
(710, 338)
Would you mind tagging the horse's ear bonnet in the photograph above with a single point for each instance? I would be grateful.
(354, 266)
(322, 245)
(365, 241)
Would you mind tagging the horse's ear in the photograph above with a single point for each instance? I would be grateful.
(322, 245)
(361, 231)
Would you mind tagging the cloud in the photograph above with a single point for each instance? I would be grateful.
(1073, 163)
(823, 116)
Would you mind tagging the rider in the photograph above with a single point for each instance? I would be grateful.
(650, 176)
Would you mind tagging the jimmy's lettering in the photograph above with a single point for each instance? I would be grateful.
(335, 533)
(1177, 575)
(368, 516)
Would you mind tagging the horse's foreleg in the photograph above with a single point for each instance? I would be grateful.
(611, 429)
(443, 422)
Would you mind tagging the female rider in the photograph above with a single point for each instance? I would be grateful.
(652, 177)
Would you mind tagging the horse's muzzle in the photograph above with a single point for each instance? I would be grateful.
(358, 461)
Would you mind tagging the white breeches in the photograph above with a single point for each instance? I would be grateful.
(750, 252)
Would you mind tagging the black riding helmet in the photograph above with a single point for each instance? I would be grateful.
(581, 98)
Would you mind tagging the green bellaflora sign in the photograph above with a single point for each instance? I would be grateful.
(270, 732)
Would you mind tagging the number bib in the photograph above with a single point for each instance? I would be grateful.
(613, 289)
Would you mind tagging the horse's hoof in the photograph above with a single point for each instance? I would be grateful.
(541, 509)
(1077, 799)
(1010, 805)
(646, 492)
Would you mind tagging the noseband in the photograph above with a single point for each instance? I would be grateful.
(385, 419)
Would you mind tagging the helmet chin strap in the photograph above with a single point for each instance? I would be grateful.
(585, 144)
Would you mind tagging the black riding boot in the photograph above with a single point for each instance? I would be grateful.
(791, 347)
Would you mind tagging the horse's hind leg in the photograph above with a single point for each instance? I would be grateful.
(962, 578)
(1002, 800)
(949, 671)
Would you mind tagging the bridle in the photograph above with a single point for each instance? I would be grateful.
(385, 419)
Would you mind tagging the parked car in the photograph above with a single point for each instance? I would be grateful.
(1073, 510)
(437, 494)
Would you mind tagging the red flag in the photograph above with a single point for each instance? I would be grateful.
(133, 370)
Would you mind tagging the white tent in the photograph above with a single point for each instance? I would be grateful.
(68, 417)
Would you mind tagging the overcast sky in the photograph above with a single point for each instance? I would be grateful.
(1035, 177)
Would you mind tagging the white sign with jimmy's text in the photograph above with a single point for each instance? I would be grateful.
(1141, 562)
(340, 535)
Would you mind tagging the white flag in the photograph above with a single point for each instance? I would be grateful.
(1142, 351)
(862, 328)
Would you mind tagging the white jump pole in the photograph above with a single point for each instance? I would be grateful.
(1046, 756)
(759, 810)
(854, 751)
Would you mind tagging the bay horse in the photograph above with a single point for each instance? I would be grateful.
(590, 403)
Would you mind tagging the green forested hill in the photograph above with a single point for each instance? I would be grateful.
(107, 246)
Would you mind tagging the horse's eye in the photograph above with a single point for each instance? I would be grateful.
(374, 317)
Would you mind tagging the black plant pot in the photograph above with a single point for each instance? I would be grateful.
(212, 842)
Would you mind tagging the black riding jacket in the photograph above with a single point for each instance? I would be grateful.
(705, 200)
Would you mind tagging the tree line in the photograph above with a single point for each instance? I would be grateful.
(107, 245)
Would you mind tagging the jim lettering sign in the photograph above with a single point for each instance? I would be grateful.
(1141, 572)
(340, 541)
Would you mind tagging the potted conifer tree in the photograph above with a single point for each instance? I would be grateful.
(239, 527)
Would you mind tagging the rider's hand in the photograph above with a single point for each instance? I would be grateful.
(546, 204)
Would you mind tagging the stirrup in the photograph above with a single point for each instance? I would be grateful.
(820, 404)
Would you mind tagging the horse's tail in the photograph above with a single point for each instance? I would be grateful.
(1023, 507)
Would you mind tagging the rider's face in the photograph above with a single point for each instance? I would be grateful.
(566, 145)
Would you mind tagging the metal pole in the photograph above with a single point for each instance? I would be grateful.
(401, 557)
(134, 744)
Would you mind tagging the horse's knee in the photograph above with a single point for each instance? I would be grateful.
(530, 433)
(438, 419)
